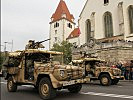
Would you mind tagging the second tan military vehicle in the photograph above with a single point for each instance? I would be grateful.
(97, 70)
(44, 70)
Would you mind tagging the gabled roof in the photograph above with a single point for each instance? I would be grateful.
(83, 8)
(75, 33)
(62, 9)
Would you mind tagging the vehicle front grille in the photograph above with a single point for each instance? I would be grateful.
(74, 74)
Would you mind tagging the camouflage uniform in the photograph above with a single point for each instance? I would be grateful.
(11, 62)
(30, 44)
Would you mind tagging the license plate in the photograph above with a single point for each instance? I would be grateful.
(69, 83)
(117, 76)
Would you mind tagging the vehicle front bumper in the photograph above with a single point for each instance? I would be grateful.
(1, 75)
(72, 82)
(118, 77)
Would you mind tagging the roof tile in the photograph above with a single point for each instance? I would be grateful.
(62, 9)
(75, 33)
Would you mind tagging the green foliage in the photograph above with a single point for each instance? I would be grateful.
(2, 57)
(64, 47)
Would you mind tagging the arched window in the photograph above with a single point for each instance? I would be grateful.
(88, 30)
(108, 24)
(69, 25)
(56, 25)
(106, 1)
(130, 11)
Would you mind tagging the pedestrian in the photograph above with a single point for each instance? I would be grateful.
(131, 69)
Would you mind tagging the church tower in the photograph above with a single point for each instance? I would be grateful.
(61, 25)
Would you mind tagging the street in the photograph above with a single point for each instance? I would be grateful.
(91, 91)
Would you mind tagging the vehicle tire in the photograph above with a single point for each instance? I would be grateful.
(11, 86)
(75, 88)
(115, 81)
(105, 80)
(46, 89)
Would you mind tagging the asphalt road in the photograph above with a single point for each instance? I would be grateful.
(91, 91)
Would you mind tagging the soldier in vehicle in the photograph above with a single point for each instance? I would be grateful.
(30, 44)
(11, 62)
(29, 67)
(90, 68)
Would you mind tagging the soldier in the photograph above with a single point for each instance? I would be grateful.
(30, 44)
(11, 62)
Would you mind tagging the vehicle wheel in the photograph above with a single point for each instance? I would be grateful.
(105, 80)
(75, 88)
(115, 81)
(11, 86)
(46, 89)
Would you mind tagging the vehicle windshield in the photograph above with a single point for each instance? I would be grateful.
(38, 57)
(95, 63)
(57, 58)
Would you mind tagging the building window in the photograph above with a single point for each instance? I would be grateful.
(130, 12)
(121, 18)
(56, 25)
(55, 31)
(55, 39)
(108, 25)
(92, 24)
(74, 44)
(106, 2)
(88, 30)
(69, 25)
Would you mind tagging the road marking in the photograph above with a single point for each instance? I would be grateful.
(109, 95)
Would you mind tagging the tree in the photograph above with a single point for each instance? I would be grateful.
(64, 47)
(2, 57)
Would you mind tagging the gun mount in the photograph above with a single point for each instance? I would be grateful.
(35, 45)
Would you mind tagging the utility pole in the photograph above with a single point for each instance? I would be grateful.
(12, 46)
(8, 43)
(5, 47)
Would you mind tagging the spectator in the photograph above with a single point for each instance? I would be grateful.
(131, 70)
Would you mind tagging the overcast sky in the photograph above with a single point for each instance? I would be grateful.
(29, 19)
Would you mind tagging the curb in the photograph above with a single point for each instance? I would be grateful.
(126, 80)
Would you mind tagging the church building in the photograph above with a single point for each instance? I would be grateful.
(106, 20)
(62, 25)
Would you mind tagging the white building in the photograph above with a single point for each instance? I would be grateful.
(61, 25)
(106, 20)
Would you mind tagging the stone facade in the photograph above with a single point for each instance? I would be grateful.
(113, 52)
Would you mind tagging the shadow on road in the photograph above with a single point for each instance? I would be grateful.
(61, 95)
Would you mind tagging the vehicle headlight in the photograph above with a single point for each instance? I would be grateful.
(115, 72)
(62, 73)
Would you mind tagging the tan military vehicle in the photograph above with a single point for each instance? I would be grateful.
(44, 70)
(97, 70)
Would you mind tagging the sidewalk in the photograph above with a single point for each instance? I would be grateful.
(126, 80)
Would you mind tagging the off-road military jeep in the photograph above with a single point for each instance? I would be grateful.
(96, 70)
(44, 70)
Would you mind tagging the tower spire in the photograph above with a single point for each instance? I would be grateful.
(62, 11)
